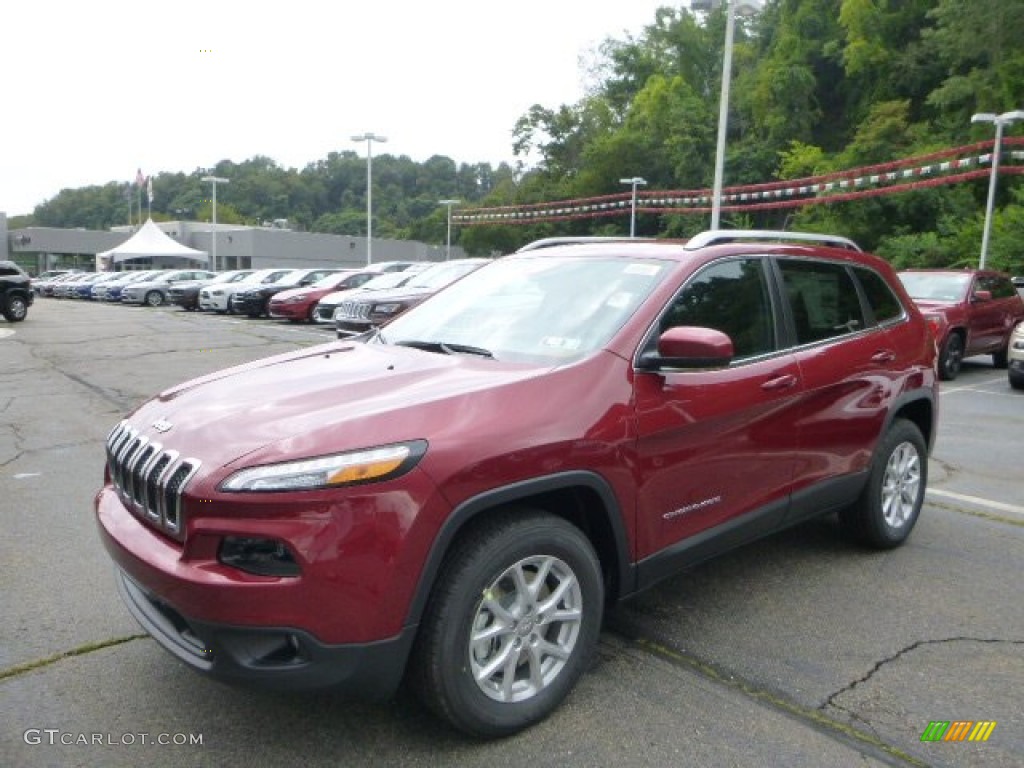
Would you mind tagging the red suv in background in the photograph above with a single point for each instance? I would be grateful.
(454, 500)
(972, 312)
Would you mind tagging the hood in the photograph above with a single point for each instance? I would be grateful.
(324, 399)
(308, 290)
(394, 294)
(930, 305)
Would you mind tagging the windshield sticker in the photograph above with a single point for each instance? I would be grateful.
(560, 342)
(620, 300)
(648, 270)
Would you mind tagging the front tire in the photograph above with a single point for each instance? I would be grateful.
(890, 503)
(512, 623)
(15, 309)
(952, 357)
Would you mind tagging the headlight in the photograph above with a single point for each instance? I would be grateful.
(352, 468)
(387, 309)
(296, 299)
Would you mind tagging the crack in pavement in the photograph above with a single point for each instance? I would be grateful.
(868, 744)
(831, 700)
(82, 650)
(56, 447)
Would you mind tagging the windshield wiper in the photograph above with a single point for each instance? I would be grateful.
(466, 349)
(445, 347)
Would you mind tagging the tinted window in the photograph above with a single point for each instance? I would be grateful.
(822, 298)
(999, 287)
(883, 302)
(732, 297)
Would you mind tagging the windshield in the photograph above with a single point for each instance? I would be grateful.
(332, 280)
(387, 280)
(230, 277)
(442, 274)
(935, 286)
(546, 310)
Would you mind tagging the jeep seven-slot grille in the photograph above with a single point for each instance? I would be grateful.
(149, 479)
(352, 310)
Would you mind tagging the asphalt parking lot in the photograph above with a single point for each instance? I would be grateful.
(800, 650)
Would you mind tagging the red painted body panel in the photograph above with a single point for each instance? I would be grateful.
(281, 307)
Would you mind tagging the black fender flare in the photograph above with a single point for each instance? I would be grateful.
(509, 494)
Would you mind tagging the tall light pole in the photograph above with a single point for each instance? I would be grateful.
(369, 138)
(745, 7)
(448, 242)
(215, 180)
(1007, 118)
(632, 217)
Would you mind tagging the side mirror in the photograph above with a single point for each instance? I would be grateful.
(689, 347)
(982, 296)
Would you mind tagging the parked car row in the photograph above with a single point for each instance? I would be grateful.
(355, 300)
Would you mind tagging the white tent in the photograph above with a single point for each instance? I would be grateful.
(148, 242)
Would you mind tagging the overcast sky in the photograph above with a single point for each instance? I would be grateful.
(94, 89)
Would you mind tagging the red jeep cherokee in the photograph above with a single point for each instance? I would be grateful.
(972, 311)
(455, 499)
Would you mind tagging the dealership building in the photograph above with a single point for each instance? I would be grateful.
(38, 249)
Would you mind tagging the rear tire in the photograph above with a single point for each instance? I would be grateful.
(1001, 359)
(890, 503)
(154, 299)
(512, 623)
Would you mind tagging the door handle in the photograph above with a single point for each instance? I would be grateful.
(781, 382)
(883, 356)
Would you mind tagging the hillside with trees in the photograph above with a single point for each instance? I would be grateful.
(818, 86)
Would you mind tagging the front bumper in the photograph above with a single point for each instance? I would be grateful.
(217, 303)
(274, 658)
(245, 305)
(288, 311)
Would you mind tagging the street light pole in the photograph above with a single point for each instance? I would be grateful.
(448, 242)
(369, 138)
(215, 180)
(632, 218)
(746, 7)
(1007, 118)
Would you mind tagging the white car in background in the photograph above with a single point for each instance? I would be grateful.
(153, 293)
(111, 290)
(217, 298)
(1015, 358)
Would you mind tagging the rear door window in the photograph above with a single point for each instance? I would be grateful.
(823, 300)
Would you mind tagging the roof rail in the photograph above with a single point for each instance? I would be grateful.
(720, 236)
(549, 242)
